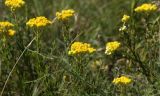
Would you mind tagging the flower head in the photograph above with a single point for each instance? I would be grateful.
(14, 4)
(125, 18)
(79, 47)
(122, 80)
(38, 22)
(111, 47)
(5, 25)
(146, 8)
(65, 14)
(11, 32)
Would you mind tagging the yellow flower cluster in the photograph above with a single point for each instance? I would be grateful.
(11, 32)
(125, 18)
(6, 27)
(14, 4)
(38, 22)
(80, 47)
(111, 47)
(122, 80)
(146, 8)
(65, 14)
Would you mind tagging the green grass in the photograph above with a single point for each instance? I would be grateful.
(52, 72)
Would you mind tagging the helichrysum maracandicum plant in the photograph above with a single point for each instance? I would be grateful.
(125, 18)
(38, 22)
(111, 47)
(11, 32)
(65, 14)
(14, 4)
(122, 80)
(80, 47)
(39, 70)
(5, 25)
(146, 8)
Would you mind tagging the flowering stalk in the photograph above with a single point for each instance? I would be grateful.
(64, 16)
(131, 46)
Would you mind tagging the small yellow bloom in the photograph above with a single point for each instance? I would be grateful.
(65, 14)
(125, 18)
(80, 47)
(14, 4)
(38, 22)
(5, 25)
(122, 80)
(11, 32)
(111, 47)
(146, 8)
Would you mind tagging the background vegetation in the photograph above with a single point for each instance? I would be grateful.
(51, 72)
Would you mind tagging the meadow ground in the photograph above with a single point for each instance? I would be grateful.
(79, 48)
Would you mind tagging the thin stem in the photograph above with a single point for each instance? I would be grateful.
(15, 66)
(37, 40)
(137, 58)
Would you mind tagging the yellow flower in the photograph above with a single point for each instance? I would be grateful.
(111, 47)
(146, 8)
(5, 25)
(125, 18)
(65, 14)
(80, 47)
(38, 22)
(14, 4)
(122, 80)
(11, 32)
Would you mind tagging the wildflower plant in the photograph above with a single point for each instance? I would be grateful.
(122, 80)
(14, 4)
(11, 32)
(65, 14)
(147, 7)
(80, 47)
(66, 23)
(5, 25)
(6, 28)
(125, 18)
(37, 22)
(111, 47)
(136, 37)
(52, 61)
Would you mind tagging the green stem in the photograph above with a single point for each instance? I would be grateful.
(144, 68)
(10, 73)
(37, 41)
